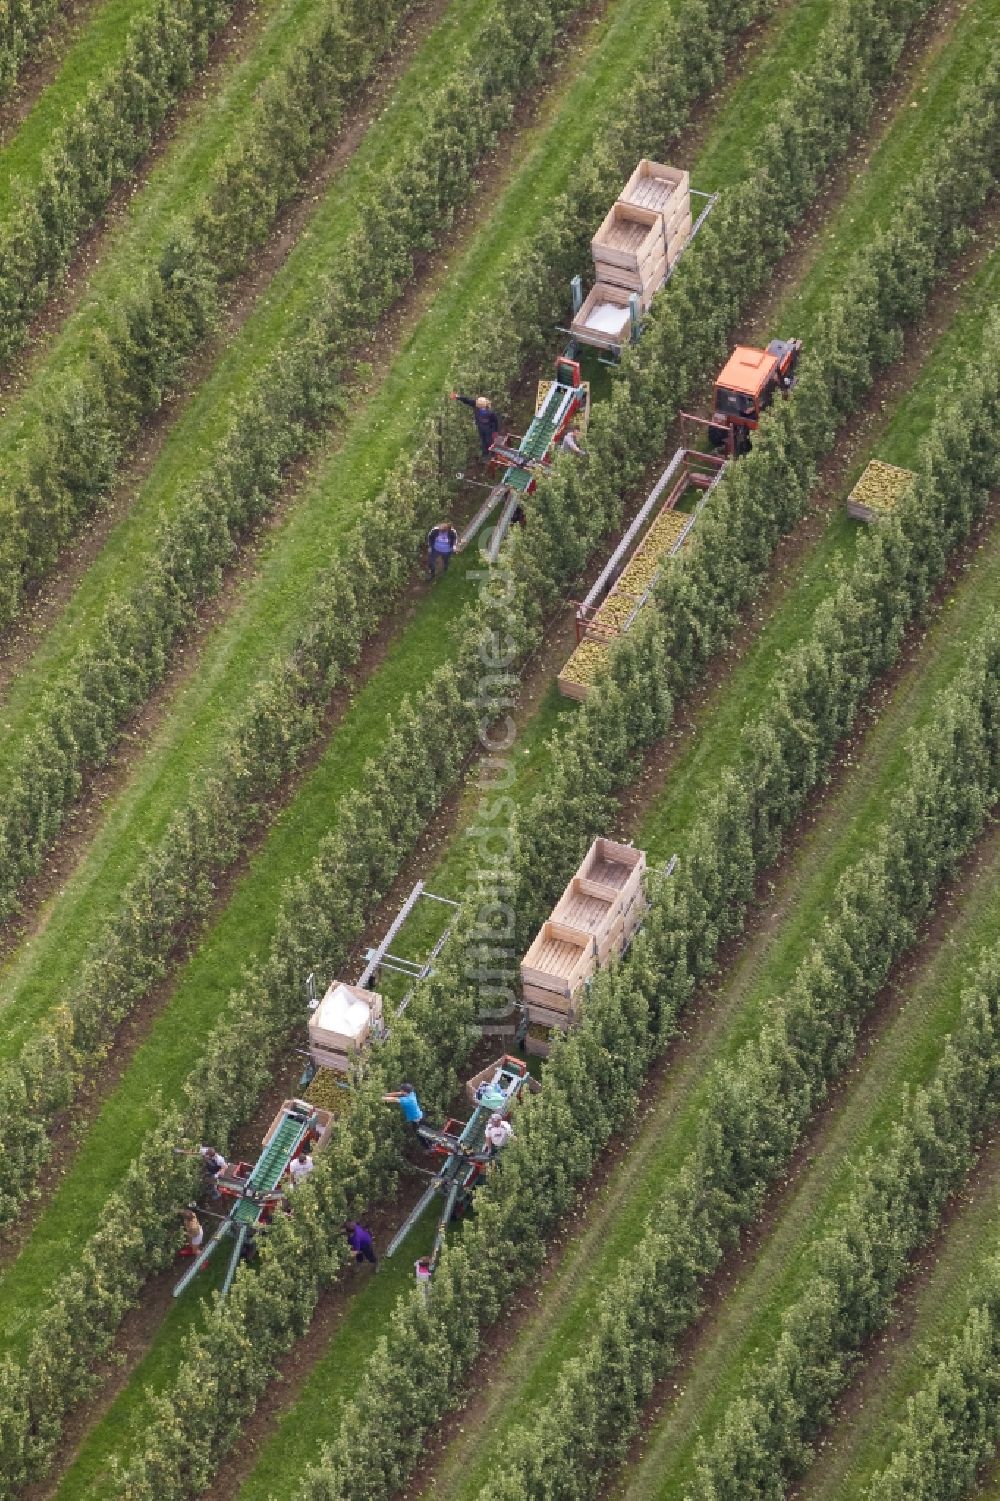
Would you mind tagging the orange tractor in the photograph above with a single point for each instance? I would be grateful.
(746, 387)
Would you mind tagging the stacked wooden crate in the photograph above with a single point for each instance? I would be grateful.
(634, 248)
(593, 919)
(667, 191)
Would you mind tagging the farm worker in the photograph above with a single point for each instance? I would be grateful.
(498, 1132)
(571, 442)
(214, 1163)
(194, 1233)
(406, 1098)
(442, 541)
(486, 420)
(300, 1167)
(361, 1242)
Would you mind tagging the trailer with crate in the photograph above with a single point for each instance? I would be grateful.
(635, 252)
(593, 921)
(657, 533)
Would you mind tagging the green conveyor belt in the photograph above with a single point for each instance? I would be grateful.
(277, 1154)
(537, 440)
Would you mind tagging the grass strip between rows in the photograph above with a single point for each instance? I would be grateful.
(50, 197)
(157, 293)
(766, 1436)
(952, 1424)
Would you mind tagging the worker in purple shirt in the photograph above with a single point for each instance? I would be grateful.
(486, 420)
(361, 1242)
(442, 541)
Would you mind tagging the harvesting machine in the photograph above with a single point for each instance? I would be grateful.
(253, 1189)
(463, 1152)
(635, 252)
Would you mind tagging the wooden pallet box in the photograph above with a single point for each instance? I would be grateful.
(538, 1041)
(604, 319)
(490, 1072)
(654, 185)
(324, 1123)
(559, 960)
(628, 238)
(614, 869)
(343, 1021)
(646, 282)
(879, 490)
(546, 1016)
(678, 239)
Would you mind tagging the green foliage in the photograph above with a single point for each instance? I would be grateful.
(764, 1438)
(300, 387)
(592, 1078)
(22, 25)
(265, 743)
(97, 149)
(67, 468)
(699, 601)
(952, 1423)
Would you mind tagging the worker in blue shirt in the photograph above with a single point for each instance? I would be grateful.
(486, 420)
(406, 1098)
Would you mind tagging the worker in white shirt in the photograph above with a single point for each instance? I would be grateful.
(571, 442)
(214, 1163)
(498, 1132)
(300, 1167)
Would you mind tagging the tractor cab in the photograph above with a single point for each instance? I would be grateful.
(746, 387)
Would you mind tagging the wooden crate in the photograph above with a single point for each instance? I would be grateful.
(324, 1121)
(879, 490)
(593, 911)
(653, 185)
(538, 1044)
(551, 1000)
(545, 1016)
(586, 326)
(645, 282)
(559, 960)
(570, 688)
(486, 1074)
(628, 238)
(678, 240)
(613, 868)
(343, 1020)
